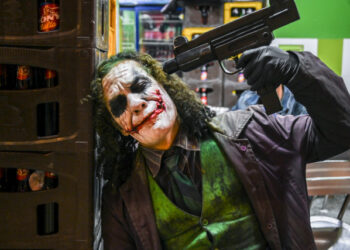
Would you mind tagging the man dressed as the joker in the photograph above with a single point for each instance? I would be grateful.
(182, 178)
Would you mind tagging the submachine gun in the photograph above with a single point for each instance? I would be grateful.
(231, 39)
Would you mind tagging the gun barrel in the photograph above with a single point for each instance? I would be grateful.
(171, 66)
(190, 60)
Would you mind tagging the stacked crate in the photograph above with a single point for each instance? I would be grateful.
(72, 51)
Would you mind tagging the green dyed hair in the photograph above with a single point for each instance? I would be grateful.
(116, 151)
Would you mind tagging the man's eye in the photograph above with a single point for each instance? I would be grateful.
(139, 86)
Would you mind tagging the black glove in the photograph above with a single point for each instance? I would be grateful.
(267, 65)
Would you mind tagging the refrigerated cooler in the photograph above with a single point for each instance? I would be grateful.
(146, 29)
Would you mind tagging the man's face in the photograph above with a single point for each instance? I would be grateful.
(140, 105)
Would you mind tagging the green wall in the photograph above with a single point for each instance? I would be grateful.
(326, 20)
(330, 51)
(329, 19)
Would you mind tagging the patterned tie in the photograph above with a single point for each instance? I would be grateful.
(184, 191)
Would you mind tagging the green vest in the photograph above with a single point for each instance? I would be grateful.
(227, 219)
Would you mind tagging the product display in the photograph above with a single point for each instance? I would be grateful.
(22, 180)
(35, 78)
(24, 77)
(26, 180)
(49, 15)
(36, 180)
(51, 180)
(203, 93)
(50, 79)
(21, 77)
(146, 29)
(48, 113)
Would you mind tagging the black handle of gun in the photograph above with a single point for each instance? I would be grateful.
(269, 99)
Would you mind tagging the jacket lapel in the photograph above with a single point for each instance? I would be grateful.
(240, 154)
(136, 195)
(227, 129)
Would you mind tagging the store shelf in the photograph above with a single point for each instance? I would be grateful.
(161, 20)
(156, 42)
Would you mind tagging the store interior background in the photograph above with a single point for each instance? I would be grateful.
(323, 29)
(91, 31)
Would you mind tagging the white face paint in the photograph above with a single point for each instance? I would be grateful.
(140, 105)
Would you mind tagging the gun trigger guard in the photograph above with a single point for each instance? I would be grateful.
(223, 67)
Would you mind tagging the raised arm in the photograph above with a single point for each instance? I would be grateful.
(327, 131)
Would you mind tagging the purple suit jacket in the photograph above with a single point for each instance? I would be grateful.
(269, 154)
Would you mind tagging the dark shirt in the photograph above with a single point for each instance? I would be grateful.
(189, 164)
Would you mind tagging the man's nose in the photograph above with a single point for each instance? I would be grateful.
(137, 105)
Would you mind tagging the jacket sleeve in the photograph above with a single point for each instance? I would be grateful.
(327, 101)
(323, 133)
(116, 235)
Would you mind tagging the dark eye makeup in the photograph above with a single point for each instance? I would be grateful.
(118, 105)
(139, 84)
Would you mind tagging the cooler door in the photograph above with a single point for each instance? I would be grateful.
(128, 29)
(157, 32)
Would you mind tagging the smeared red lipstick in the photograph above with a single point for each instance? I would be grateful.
(160, 104)
(159, 109)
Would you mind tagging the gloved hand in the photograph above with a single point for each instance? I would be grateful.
(266, 66)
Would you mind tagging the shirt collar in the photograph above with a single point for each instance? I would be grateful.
(154, 157)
